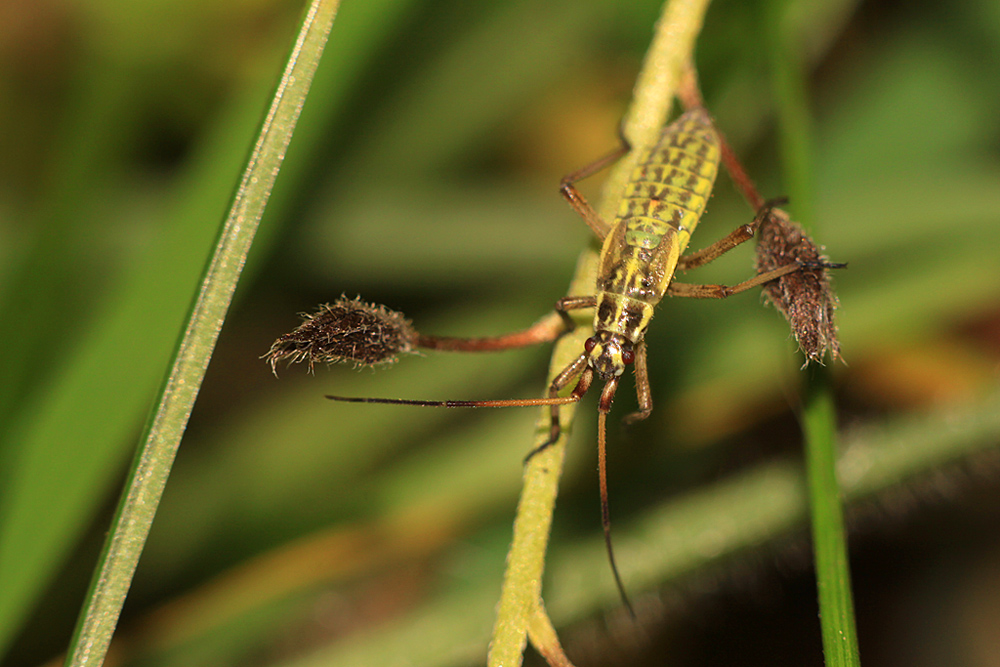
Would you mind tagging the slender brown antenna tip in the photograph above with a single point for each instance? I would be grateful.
(602, 418)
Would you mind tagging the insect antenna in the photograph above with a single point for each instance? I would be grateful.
(602, 417)
(494, 403)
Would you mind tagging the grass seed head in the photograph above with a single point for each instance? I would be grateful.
(348, 330)
(805, 297)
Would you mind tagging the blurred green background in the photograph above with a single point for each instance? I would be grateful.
(423, 175)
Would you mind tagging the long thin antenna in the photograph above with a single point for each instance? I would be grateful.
(501, 403)
(602, 418)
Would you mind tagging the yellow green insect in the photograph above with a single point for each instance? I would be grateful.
(663, 201)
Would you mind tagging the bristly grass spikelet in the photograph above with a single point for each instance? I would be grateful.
(348, 330)
(804, 297)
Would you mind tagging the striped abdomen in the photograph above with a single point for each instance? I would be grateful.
(663, 201)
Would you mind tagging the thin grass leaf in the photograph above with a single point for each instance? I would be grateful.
(69, 442)
(833, 576)
(833, 581)
(166, 426)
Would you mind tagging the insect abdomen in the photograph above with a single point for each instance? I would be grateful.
(672, 182)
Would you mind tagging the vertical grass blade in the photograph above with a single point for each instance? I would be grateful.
(833, 577)
(833, 580)
(167, 424)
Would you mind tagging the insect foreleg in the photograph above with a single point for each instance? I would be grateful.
(568, 303)
(567, 375)
(642, 390)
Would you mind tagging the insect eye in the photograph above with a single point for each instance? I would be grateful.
(628, 356)
(589, 345)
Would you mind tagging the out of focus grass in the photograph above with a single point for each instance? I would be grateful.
(423, 176)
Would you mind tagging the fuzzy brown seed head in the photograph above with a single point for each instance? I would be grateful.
(805, 297)
(348, 330)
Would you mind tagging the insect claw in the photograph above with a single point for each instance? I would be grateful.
(636, 416)
(537, 450)
(820, 265)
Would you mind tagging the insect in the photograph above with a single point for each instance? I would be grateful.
(663, 201)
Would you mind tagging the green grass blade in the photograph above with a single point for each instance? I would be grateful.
(833, 580)
(833, 577)
(166, 426)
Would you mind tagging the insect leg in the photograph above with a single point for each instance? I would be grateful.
(575, 303)
(576, 198)
(723, 291)
(568, 303)
(642, 390)
(740, 235)
(545, 330)
(563, 306)
(577, 367)
(689, 93)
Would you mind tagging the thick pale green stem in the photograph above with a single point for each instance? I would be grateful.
(520, 599)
